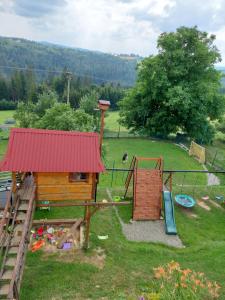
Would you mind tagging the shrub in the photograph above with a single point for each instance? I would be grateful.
(7, 105)
(4, 134)
(171, 283)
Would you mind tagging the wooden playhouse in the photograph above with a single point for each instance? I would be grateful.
(64, 164)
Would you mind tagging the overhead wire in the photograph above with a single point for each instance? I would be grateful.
(59, 72)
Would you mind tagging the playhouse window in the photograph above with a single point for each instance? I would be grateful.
(78, 176)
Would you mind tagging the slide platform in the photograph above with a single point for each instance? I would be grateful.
(169, 213)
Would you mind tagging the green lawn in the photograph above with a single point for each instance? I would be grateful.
(174, 158)
(128, 265)
(3, 145)
(112, 126)
(6, 114)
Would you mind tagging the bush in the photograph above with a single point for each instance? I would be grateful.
(172, 282)
(4, 134)
(7, 105)
(220, 136)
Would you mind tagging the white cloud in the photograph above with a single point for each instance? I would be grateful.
(109, 25)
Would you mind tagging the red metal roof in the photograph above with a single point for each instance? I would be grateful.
(104, 102)
(39, 150)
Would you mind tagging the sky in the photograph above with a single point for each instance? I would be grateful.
(115, 26)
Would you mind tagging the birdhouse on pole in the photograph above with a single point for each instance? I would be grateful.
(103, 105)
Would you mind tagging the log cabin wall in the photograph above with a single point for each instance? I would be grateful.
(58, 186)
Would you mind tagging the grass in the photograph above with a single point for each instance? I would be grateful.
(6, 114)
(128, 265)
(3, 145)
(113, 128)
(174, 158)
(216, 154)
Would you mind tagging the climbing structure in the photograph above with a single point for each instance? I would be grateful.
(147, 188)
(14, 238)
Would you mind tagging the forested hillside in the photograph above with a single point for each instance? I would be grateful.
(99, 67)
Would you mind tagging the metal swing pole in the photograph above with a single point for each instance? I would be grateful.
(112, 172)
(193, 191)
(182, 183)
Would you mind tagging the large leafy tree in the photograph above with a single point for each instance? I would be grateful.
(47, 113)
(62, 117)
(177, 89)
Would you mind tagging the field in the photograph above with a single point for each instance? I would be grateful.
(126, 269)
(113, 128)
(3, 145)
(5, 114)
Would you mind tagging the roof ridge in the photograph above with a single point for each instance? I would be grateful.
(52, 151)
(54, 132)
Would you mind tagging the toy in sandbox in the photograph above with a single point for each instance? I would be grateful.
(61, 236)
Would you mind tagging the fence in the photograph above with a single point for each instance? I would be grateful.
(215, 158)
(195, 183)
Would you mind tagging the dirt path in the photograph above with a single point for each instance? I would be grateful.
(211, 178)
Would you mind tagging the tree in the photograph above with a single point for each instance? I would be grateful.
(62, 117)
(25, 114)
(45, 101)
(4, 93)
(177, 89)
(113, 93)
(89, 103)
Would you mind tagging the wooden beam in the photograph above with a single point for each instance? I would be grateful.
(102, 204)
(54, 222)
(148, 158)
(72, 230)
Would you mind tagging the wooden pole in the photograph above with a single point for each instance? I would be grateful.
(87, 231)
(102, 129)
(171, 182)
(14, 182)
(103, 105)
(69, 77)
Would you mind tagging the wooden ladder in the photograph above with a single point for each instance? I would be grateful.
(129, 175)
(15, 246)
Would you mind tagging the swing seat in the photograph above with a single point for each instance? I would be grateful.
(185, 200)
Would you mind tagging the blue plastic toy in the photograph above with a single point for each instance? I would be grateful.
(185, 200)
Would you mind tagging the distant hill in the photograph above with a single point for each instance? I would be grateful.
(98, 66)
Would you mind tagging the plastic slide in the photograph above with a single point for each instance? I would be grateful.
(169, 213)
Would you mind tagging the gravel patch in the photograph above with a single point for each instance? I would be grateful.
(147, 231)
(150, 231)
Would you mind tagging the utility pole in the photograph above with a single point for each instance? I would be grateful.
(69, 77)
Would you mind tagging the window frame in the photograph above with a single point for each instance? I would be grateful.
(71, 177)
